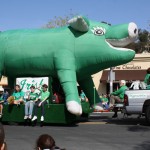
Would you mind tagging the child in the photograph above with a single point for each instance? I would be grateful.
(17, 96)
(32, 98)
(105, 101)
(41, 102)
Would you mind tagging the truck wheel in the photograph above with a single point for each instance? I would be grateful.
(147, 114)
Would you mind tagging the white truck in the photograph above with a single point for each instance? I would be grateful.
(137, 102)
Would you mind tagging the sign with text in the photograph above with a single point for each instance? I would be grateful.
(26, 83)
(129, 66)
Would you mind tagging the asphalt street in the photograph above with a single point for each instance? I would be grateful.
(99, 132)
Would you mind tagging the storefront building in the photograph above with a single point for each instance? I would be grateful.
(132, 71)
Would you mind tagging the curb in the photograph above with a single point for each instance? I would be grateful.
(101, 111)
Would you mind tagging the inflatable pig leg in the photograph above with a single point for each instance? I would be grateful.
(67, 77)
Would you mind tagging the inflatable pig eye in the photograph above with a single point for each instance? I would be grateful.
(98, 31)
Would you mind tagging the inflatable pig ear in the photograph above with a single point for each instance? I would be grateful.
(79, 23)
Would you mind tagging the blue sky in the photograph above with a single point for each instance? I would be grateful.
(21, 14)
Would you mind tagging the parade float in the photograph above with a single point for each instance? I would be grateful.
(69, 54)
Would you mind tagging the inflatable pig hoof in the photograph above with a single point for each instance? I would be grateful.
(74, 108)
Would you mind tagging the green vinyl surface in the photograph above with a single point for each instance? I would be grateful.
(54, 113)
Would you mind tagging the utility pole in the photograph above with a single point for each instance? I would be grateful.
(111, 78)
(148, 42)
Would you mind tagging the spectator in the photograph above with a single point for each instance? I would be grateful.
(41, 102)
(17, 96)
(105, 101)
(1, 100)
(101, 96)
(57, 98)
(147, 80)
(83, 96)
(30, 101)
(117, 96)
(3, 145)
(5, 97)
(46, 142)
(135, 85)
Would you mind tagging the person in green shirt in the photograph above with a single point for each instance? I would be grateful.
(104, 100)
(30, 101)
(42, 101)
(83, 97)
(147, 79)
(117, 96)
(18, 95)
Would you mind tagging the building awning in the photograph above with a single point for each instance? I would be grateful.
(124, 75)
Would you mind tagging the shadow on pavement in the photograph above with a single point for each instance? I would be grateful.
(120, 120)
(143, 146)
(42, 124)
(129, 121)
(138, 128)
(99, 117)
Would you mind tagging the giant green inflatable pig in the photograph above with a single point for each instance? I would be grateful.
(71, 54)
